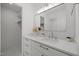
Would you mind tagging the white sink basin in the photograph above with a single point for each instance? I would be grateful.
(48, 39)
(43, 37)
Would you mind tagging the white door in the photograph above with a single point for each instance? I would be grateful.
(11, 29)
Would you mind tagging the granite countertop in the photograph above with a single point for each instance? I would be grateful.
(71, 48)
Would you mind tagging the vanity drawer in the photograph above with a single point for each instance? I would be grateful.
(36, 52)
(47, 50)
(51, 51)
(39, 46)
(54, 52)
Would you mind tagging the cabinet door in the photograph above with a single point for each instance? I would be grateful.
(35, 52)
(35, 49)
(26, 46)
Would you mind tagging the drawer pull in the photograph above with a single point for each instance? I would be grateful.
(43, 47)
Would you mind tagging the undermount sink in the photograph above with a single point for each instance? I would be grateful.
(55, 40)
(46, 38)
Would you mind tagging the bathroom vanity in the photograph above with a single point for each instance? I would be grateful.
(44, 46)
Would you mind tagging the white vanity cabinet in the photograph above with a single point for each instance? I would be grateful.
(26, 47)
(43, 50)
(34, 48)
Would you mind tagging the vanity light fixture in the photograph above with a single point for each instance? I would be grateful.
(48, 7)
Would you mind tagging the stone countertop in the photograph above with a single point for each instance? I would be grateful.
(71, 48)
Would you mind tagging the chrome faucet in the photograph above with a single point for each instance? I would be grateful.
(50, 35)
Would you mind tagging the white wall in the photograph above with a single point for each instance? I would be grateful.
(27, 19)
(0, 29)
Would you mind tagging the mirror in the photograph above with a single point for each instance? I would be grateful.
(53, 19)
